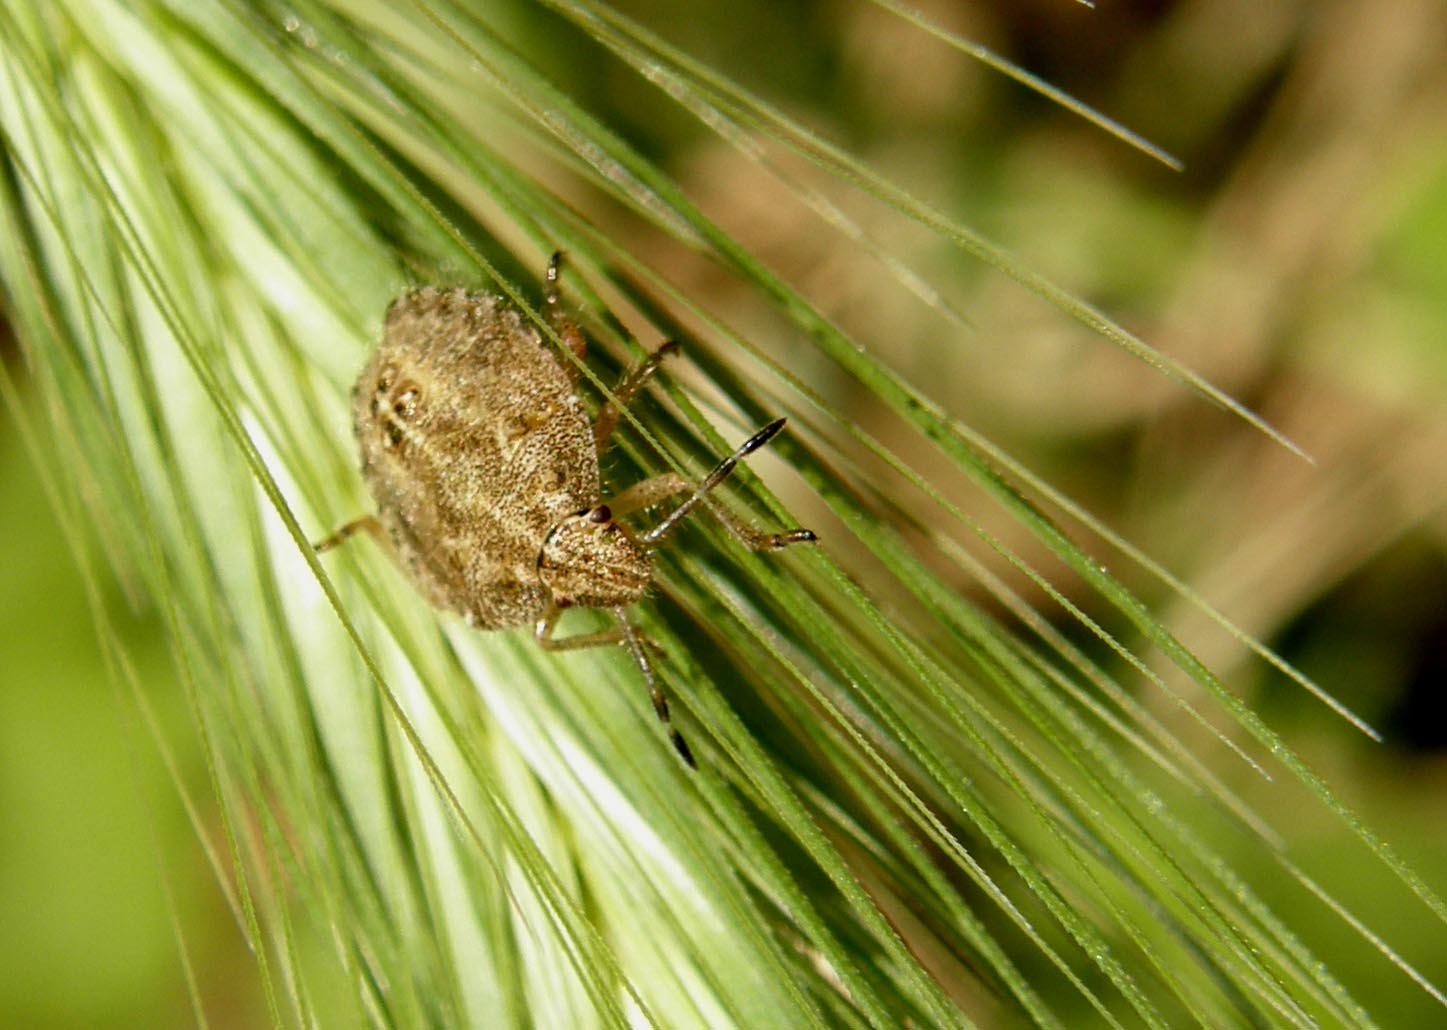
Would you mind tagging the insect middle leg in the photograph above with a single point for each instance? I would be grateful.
(561, 322)
(632, 381)
(630, 384)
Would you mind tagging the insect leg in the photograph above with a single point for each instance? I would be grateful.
(647, 493)
(629, 385)
(543, 634)
(623, 633)
(747, 535)
(634, 641)
(366, 524)
(561, 322)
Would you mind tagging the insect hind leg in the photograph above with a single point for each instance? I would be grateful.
(368, 524)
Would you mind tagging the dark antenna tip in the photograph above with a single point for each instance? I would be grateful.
(760, 438)
(681, 746)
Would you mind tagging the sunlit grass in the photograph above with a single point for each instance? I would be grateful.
(911, 808)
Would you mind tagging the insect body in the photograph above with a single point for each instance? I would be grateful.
(484, 467)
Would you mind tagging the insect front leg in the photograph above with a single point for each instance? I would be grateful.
(643, 495)
(634, 640)
(548, 623)
(624, 633)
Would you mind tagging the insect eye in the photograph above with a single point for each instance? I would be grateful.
(600, 514)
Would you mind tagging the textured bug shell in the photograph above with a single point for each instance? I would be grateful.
(475, 445)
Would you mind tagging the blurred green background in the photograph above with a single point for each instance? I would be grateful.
(1299, 261)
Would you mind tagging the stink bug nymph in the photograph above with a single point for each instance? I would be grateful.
(483, 465)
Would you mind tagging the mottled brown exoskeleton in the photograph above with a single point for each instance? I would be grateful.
(484, 467)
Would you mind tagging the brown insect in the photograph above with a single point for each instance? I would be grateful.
(484, 467)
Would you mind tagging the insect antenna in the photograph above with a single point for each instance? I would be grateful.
(717, 476)
(655, 692)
